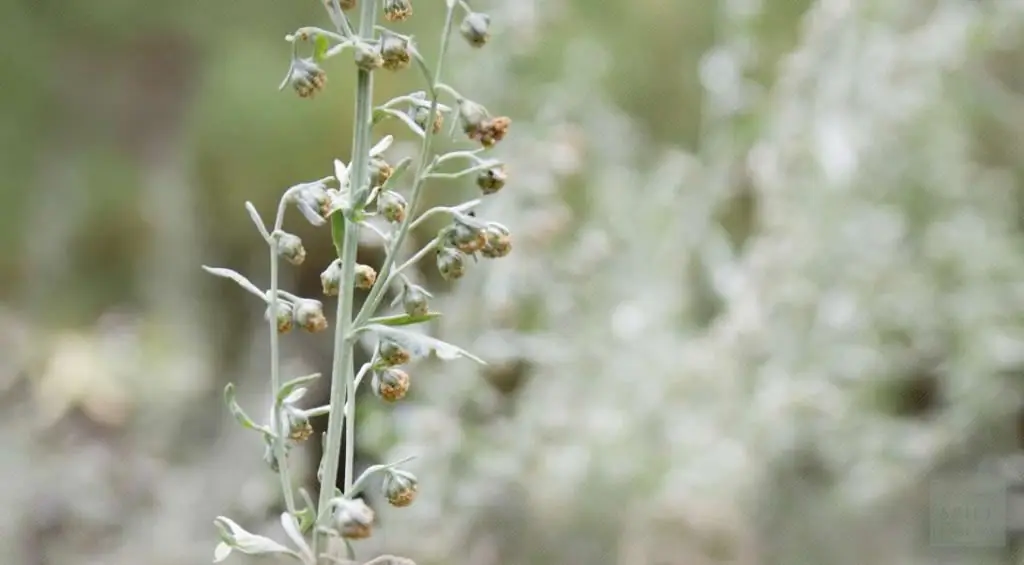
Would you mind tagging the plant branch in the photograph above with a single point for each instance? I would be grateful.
(280, 435)
(377, 292)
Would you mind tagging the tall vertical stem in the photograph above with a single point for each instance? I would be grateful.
(346, 239)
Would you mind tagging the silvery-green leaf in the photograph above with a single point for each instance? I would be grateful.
(396, 174)
(404, 319)
(292, 529)
(242, 540)
(221, 552)
(292, 386)
(382, 145)
(360, 482)
(422, 345)
(256, 219)
(240, 416)
(238, 278)
(406, 120)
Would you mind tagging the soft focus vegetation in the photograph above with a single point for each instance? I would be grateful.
(768, 280)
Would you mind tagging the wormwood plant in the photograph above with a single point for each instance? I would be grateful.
(365, 190)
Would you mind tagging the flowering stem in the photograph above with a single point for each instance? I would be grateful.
(377, 292)
(280, 434)
(345, 235)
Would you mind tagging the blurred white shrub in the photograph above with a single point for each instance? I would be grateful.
(687, 387)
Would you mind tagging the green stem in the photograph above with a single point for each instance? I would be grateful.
(345, 235)
(377, 292)
(280, 435)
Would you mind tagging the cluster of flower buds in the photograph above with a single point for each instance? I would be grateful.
(397, 10)
(306, 313)
(478, 124)
(306, 77)
(468, 237)
(389, 383)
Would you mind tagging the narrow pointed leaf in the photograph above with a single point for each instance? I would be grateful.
(404, 319)
(240, 416)
(320, 46)
(238, 278)
(422, 345)
(289, 387)
(396, 173)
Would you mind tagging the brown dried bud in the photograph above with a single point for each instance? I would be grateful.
(392, 206)
(306, 78)
(397, 10)
(290, 247)
(367, 58)
(394, 52)
(420, 113)
(451, 263)
(380, 171)
(352, 518)
(415, 301)
(492, 180)
(492, 131)
(390, 384)
(391, 354)
(466, 238)
(365, 276)
(330, 279)
(309, 315)
(298, 426)
(400, 487)
(499, 241)
(476, 29)
(282, 315)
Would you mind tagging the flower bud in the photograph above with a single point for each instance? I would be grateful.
(282, 314)
(499, 241)
(394, 52)
(397, 10)
(420, 113)
(400, 487)
(392, 206)
(476, 28)
(312, 200)
(493, 130)
(471, 117)
(466, 238)
(306, 77)
(330, 279)
(391, 354)
(309, 315)
(478, 125)
(290, 247)
(380, 171)
(492, 180)
(296, 423)
(352, 518)
(415, 301)
(365, 276)
(367, 58)
(390, 384)
(451, 263)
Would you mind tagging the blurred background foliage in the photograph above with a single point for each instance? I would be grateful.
(767, 281)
